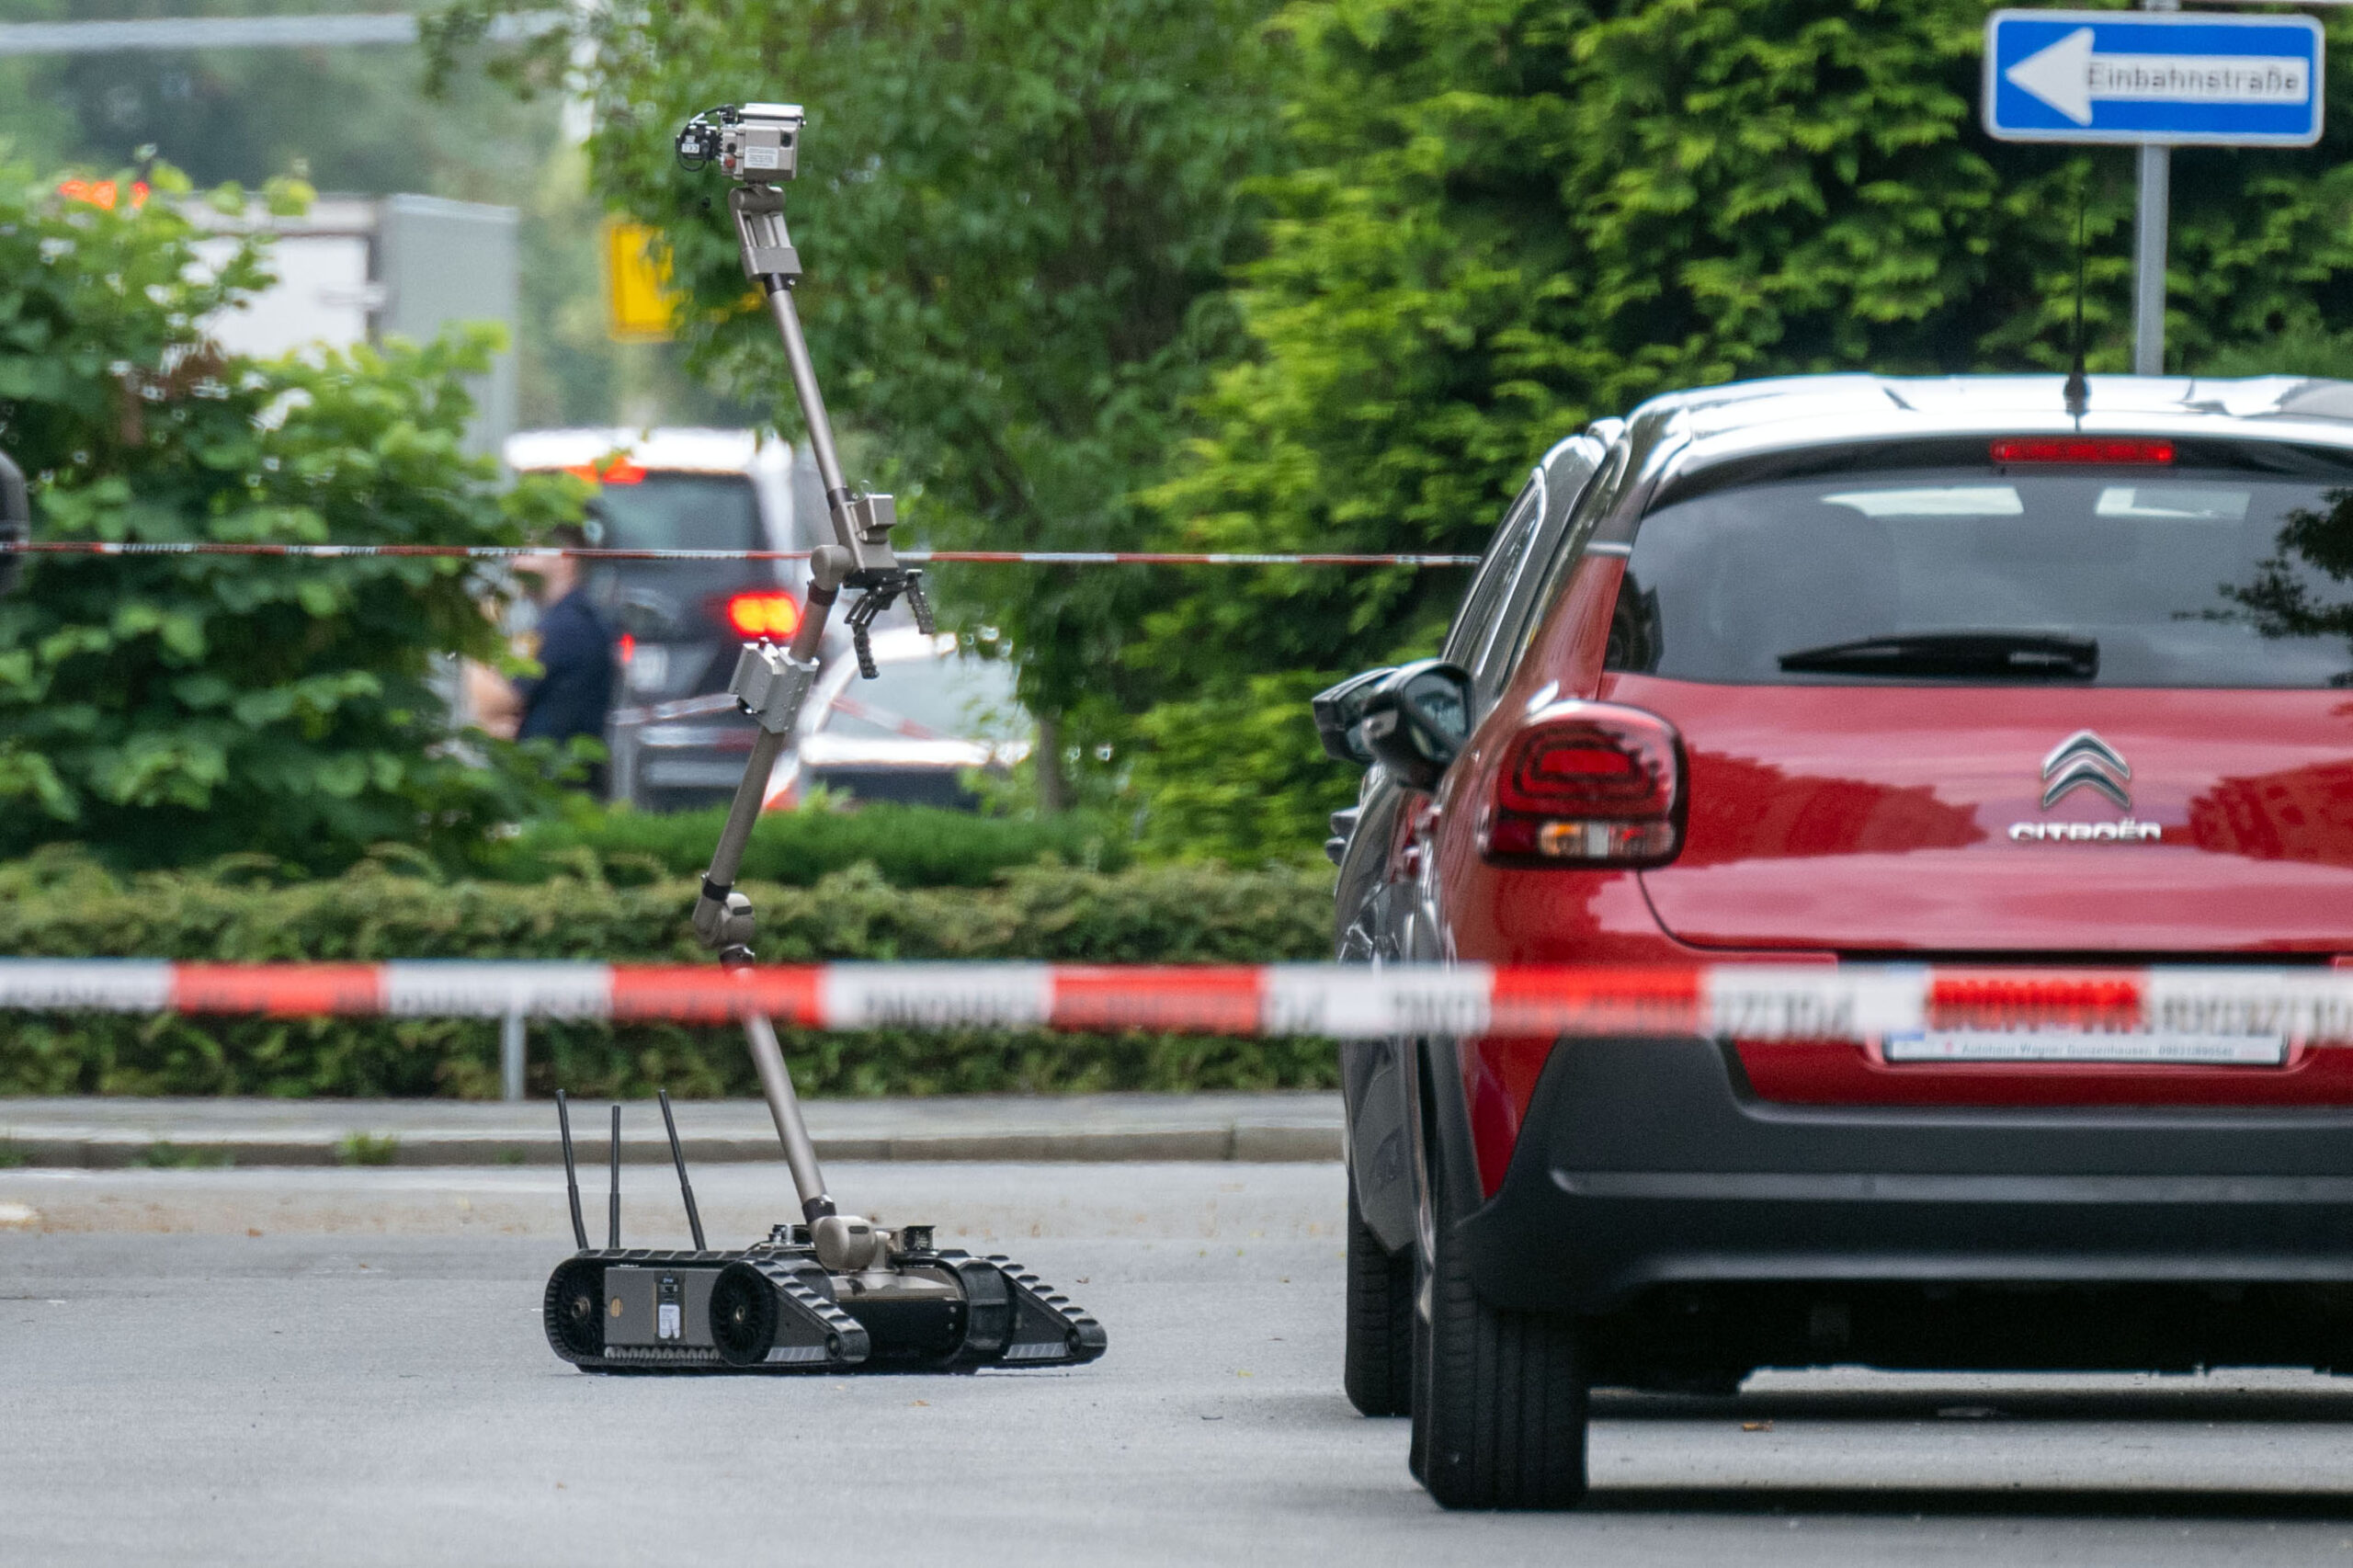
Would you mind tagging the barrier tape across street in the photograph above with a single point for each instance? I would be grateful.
(915, 557)
(1747, 1002)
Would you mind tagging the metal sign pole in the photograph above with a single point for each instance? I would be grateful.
(2149, 245)
(2149, 261)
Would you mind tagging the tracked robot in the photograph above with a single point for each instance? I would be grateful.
(833, 1292)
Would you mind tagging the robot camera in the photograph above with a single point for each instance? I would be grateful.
(757, 144)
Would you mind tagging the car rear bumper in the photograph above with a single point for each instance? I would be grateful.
(1648, 1163)
(677, 754)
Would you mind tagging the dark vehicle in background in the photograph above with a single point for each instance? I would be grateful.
(1861, 670)
(679, 623)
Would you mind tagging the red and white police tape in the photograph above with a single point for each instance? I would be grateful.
(912, 557)
(1749, 1000)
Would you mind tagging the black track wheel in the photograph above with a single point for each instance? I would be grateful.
(574, 1310)
(1500, 1418)
(1376, 1368)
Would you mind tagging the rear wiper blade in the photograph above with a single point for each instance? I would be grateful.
(1961, 655)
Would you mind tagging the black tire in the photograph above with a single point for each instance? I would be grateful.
(1376, 1367)
(1418, 1442)
(1499, 1416)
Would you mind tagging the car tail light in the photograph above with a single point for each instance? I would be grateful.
(2082, 450)
(770, 615)
(1587, 784)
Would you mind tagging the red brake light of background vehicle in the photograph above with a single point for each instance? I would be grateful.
(620, 471)
(1587, 784)
(771, 615)
(2082, 450)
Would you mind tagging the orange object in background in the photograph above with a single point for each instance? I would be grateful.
(617, 471)
(103, 193)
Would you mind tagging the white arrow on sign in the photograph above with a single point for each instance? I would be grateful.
(2070, 77)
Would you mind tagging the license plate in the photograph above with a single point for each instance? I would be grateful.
(2086, 1045)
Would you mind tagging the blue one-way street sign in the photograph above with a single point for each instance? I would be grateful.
(2152, 77)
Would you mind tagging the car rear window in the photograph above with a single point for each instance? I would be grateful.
(680, 511)
(947, 698)
(2122, 576)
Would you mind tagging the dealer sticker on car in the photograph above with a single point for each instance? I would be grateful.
(2085, 1045)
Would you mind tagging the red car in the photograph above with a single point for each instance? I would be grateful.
(1861, 670)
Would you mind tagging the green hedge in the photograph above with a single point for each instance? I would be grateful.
(61, 906)
(909, 846)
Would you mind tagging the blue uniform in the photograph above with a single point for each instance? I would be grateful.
(577, 653)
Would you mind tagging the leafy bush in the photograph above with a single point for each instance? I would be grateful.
(910, 847)
(457, 1058)
(174, 709)
(62, 905)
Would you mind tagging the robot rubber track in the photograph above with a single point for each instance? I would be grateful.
(775, 1307)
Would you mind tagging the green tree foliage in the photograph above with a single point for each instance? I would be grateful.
(173, 709)
(353, 116)
(1487, 223)
(1017, 220)
(1512, 217)
(350, 119)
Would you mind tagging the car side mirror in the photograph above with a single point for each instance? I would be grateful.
(1417, 719)
(1339, 710)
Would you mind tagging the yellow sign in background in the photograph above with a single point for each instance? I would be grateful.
(638, 305)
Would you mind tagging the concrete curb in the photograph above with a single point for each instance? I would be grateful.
(93, 1134)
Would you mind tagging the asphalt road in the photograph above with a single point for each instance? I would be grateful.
(365, 1381)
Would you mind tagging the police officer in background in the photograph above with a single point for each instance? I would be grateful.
(574, 688)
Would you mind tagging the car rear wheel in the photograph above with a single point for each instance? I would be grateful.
(1376, 1367)
(1500, 1401)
